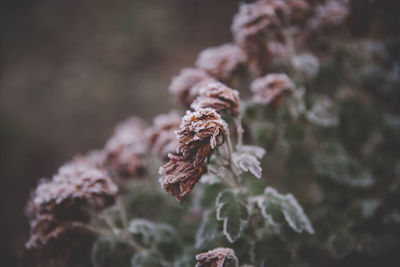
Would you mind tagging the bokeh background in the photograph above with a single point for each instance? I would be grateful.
(71, 70)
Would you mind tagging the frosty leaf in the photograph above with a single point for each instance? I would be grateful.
(273, 204)
(208, 229)
(151, 234)
(209, 179)
(143, 230)
(323, 113)
(257, 151)
(111, 252)
(333, 162)
(232, 209)
(247, 163)
(147, 259)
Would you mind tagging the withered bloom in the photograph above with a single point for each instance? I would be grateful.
(76, 189)
(126, 149)
(218, 97)
(222, 62)
(332, 13)
(53, 243)
(185, 86)
(162, 136)
(218, 257)
(200, 133)
(271, 89)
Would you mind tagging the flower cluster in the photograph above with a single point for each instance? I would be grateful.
(218, 257)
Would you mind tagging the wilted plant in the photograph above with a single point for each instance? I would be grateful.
(331, 137)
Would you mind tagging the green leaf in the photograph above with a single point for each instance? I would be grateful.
(208, 229)
(333, 162)
(233, 210)
(111, 252)
(247, 163)
(273, 204)
(147, 259)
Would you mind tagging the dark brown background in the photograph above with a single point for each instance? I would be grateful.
(70, 70)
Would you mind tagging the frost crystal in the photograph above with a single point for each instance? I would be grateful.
(162, 136)
(216, 258)
(185, 86)
(218, 97)
(221, 62)
(126, 149)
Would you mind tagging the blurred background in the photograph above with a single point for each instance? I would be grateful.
(71, 70)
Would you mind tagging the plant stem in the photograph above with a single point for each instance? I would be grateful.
(122, 212)
(240, 131)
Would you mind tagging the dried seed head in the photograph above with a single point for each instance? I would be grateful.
(94, 158)
(126, 149)
(271, 88)
(162, 136)
(180, 175)
(218, 97)
(55, 243)
(185, 86)
(222, 62)
(216, 258)
(73, 191)
(200, 132)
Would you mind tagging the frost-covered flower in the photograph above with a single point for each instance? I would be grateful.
(186, 85)
(216, 258)
(162, 136)
(55, 243)
(222, 62)
(126, 149)
(331, 13)
(75, 189)
(271, 88)
(218, 97)
(252, 20)
(199, 134)
(180, 175)
(203, 127)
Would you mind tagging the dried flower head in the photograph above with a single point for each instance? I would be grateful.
(186, 85)
(181, 174)
(74, 190)
(218, 97)
(216, 258)
(56, 243)
(222, 62)
(252, 20)
(162, 136)
(126, 149)
(203, 127)
(271, 88)
(200, 133)
(331, 13)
